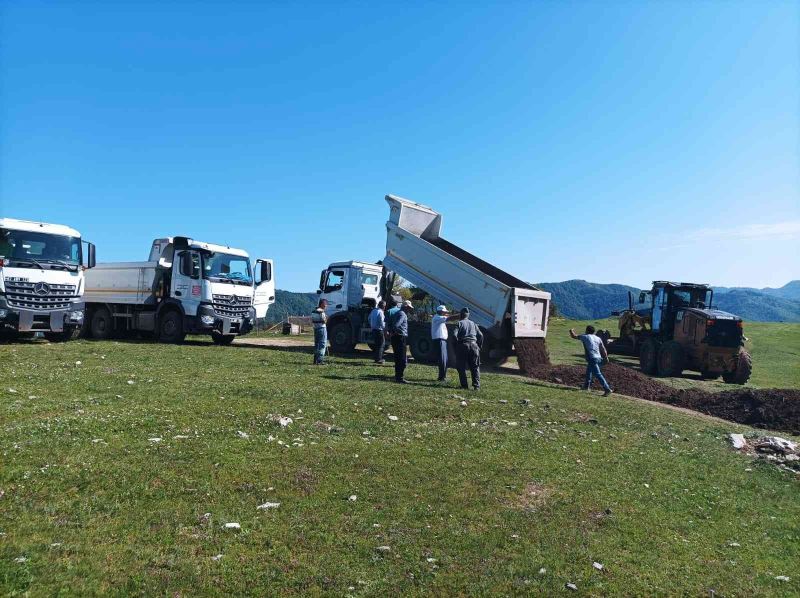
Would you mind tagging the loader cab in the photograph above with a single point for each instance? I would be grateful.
(350, 285)
(669, 300)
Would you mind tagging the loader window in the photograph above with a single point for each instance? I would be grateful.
(335, 281)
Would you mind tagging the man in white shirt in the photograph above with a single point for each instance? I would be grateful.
(439, 336)
(377, 324)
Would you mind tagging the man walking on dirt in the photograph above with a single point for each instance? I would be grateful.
(595, 352)
(377, 324)
(398, 328)
(320, 322)
(469, 340)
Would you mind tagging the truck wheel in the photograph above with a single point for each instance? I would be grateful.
(671, 358)
(341, 336)
(744, 367)
(60, 337)
(102, 327)
(222, 339)
(170, 328)
(648, 354)
(423, 349)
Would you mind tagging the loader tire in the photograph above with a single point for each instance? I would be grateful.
(648, 357)
(341, 337)
(102, 326)
(170, 327)
(744, 367)
(671, 359)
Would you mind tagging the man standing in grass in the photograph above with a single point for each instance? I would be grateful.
(595, 352)
(398, 328)
(320, 322)
(439, 336)
(377, 325)
(469, 340)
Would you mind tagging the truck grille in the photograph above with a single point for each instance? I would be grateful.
(232, 306)
(39, 295)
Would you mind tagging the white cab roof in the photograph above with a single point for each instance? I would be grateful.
(39, 227)
(356, 264)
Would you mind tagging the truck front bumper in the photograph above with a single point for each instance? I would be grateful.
(32, 320)
(210, 321)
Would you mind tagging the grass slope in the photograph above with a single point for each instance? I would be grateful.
(494, 497)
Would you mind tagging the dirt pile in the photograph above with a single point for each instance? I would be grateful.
(774, 409)
(531, 353)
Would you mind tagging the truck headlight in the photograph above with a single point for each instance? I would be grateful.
(3, 313)
(76, 316)
(207, 320)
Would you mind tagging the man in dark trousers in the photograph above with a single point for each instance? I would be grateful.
(377, 325)
(398, 328)
(595, 353)
(469, 341)
(320, 322)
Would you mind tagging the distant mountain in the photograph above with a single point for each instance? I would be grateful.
(583, 300)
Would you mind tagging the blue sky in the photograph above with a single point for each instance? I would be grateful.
(614, 142)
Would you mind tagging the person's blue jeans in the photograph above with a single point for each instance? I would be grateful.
(593, 369)
(320, 342)
(442, 342)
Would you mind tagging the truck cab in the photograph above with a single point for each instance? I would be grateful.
(41, 279)
(352, 289)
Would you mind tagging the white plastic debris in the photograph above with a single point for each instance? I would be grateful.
(131, 382)
(21, 559)
(463, 403)
(12, 391)
(647, 485)
(352, 498)
(598, 566)
(572, 586)
(734, 544)
(542, 571)
(384, 549)
(77, 363)
(96, 440)
(430, 559)
(241, 434)
(285, 421)
(268, 505)
(738, 441)
(216, 557)
(783, 578)
(55, 545)
(393, 418)
(180, 437)
(155, 439)
(232, 525)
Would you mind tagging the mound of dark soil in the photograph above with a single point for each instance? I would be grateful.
(531, 353)
(774, 409)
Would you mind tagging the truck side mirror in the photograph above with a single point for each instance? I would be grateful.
(265, 273)
(91, 258)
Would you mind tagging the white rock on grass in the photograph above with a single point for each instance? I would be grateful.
(542, 571)
(572, 586)
(783, 578)
(268, 505)
(598, 566)
(352, 498)
(463, 403)
(738, 441)
(285, 421)
(12, 391)
(384, 549)
(155, 439)
(180, 437)
(21, 559)
(232, 525)
(216, 557)
(393, 418)
(241, 434)
(131, 382)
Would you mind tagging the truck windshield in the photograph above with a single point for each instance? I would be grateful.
(226, 267)
(44, 248)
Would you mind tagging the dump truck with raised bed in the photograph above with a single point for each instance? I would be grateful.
(42, 270)
(674, 327)
(507, 309)
(185, 287)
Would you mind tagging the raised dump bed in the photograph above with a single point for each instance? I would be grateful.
(502, 304)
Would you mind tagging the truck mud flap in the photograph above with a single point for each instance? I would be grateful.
(31, 322)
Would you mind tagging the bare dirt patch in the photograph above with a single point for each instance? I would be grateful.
(533, 497)
(774, 409)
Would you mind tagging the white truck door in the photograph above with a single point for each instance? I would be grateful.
(186, 282)
(335, 290)
(264, 295)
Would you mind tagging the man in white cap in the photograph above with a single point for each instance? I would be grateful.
(439, 336)
(398, 328)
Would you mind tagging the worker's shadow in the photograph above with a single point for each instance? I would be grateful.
(389, 378)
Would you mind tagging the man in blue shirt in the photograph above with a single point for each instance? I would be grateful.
(596, 354)
(377, 326)
(398, 328)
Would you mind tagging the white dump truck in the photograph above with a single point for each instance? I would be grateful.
(185, 287)
(41, 279)
(505, 307)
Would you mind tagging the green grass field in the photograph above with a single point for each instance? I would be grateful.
(494, 497)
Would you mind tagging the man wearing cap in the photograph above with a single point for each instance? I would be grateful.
(439, 336)
(378, 327)
(469, 340)
(398, 328)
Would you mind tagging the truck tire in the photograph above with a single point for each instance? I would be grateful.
(102, 326)
(222, 339)
(744, 367)
(648, 357)
(423, 349)
(671, 359)
(170, 327)
(60, 337)
(341, 337)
